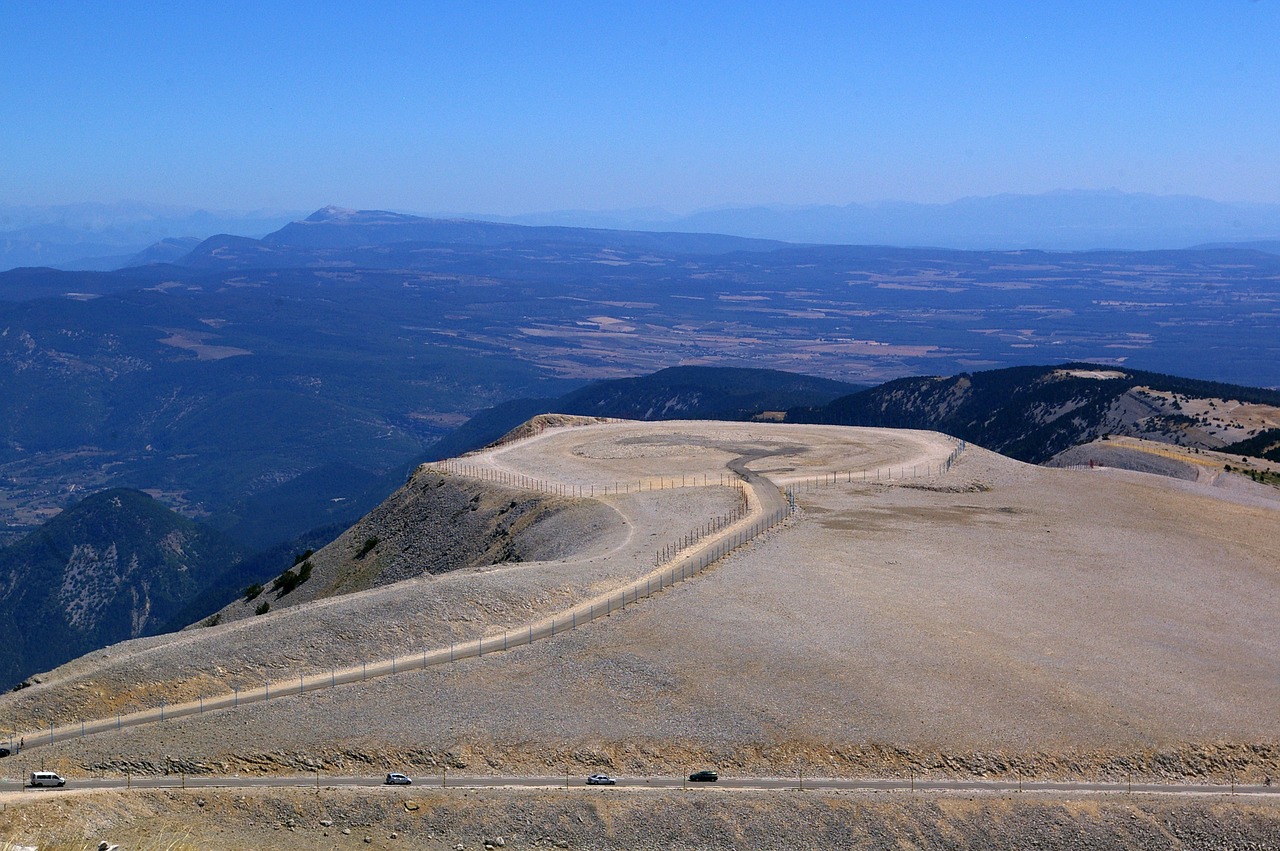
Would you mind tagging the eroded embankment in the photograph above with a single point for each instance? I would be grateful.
(1192, 762)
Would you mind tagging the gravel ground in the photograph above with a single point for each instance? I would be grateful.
(425, 612)
(1000, 619)
(622, 819)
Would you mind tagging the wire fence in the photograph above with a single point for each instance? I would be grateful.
(882, 474)
(674, 563)
(486, 473)
(684, 560)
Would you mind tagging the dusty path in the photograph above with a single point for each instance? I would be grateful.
(764, 508)
(605, 458)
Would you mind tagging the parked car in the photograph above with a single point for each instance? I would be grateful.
(4, 751)
(47, 778)
(704, 776)
(601, 780)
(397, 779)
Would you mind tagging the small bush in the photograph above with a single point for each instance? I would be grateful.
(252, 591)
(304, 572)
(301, 557)
(367, 546)
(285, 582)
(213, 619)
(263, 608)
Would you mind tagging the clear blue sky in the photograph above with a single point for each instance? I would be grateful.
(520, 107)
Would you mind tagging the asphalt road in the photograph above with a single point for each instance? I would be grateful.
(759, 784)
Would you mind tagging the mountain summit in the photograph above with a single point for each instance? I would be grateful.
(331, 228)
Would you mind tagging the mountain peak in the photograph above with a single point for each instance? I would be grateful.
(330, 214)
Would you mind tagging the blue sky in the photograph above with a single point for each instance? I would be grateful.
(521, 107)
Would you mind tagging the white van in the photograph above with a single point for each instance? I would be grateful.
(47, 778)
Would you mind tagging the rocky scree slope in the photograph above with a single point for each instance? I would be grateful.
(433, 524)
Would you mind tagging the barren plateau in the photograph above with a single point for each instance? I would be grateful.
(927, 608)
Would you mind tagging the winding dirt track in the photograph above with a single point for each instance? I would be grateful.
(560, 459)
(766, 507)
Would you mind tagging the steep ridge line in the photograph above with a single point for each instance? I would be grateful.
(766, 508)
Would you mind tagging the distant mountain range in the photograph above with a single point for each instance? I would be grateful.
(102, 237)
(380, 239)
(1064, 220)
(111, 236)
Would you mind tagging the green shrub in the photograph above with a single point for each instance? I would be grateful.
(304, 572)
(367, 546)
(263, 608)
(301, 557)
(285, 582)
(252, 591)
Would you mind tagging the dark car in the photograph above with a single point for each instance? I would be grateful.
(4, 751)
(704, 776)
(601, 780)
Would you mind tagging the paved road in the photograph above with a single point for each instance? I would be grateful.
(764, 784)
